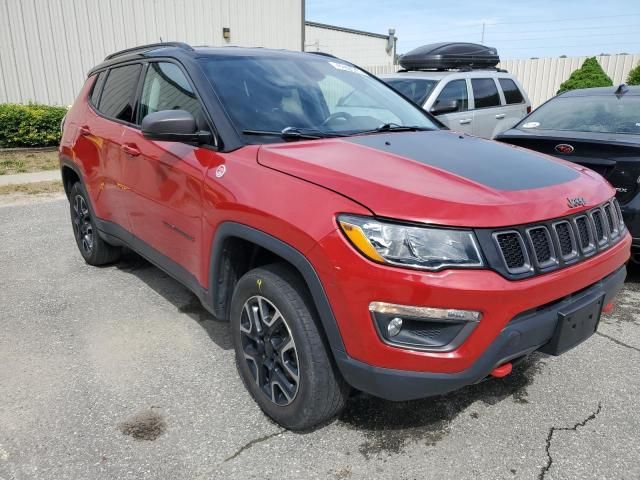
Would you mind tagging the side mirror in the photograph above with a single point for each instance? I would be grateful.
(445, 107)
(173, 126)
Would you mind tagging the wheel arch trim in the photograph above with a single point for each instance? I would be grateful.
(290, 254)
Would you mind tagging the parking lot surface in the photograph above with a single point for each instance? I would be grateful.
(118, 373)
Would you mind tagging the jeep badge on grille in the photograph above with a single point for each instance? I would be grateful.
(575, 202)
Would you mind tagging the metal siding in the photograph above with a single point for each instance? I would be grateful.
(360, 49)
(47, 46)
(541, 78)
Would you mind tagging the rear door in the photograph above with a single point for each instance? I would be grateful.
(112, 111)
(488, 112)
(515, 104)
(462, 119)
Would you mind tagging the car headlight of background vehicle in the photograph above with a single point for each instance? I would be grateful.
(425, 248)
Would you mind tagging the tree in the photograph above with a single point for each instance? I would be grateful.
(634, 76)
(589, 75)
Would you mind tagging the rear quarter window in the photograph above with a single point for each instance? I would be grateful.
(94, 97)
(512, 93)
(485, 93)
(118, 95)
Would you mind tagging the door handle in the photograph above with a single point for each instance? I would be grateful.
(465, 121)
(84, 131)
(130, 150)
(500, 116)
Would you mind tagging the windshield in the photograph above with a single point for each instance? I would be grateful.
(271, 93)
(416, 89)
(602, 114)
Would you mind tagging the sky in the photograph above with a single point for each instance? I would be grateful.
(537, 28)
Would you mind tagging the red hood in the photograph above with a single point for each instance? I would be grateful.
(441, 177)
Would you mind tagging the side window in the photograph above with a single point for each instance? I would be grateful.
(118, 96)
(455, 90)
(166, 88)
(512, 93)
(485, 92)
(97, 89)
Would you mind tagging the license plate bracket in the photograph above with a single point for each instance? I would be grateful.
(574, 327)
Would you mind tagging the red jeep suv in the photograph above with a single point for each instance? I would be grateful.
(350, 239)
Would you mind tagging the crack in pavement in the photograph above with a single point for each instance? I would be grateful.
(552, 430)
(252, 443)
(616, 341)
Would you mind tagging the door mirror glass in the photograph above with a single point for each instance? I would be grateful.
(446, 106)
(173, 126)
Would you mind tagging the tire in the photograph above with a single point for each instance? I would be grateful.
(93, 248)
(291, 343)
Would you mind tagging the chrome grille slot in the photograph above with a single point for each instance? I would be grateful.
(513, 251)
(612, 221)
(616, 207)
(566, 240)
(599, 226)
(542, 246)
(585, 234)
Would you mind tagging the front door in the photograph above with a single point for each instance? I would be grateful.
(166, 178)
(462, 119)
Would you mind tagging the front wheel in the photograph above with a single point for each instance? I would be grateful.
(280, 352)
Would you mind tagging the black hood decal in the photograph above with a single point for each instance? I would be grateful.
(489, 163)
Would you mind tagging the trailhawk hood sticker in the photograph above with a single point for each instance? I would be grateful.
(480, 161)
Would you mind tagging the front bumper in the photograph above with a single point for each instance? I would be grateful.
(524, 334)
(351, 282)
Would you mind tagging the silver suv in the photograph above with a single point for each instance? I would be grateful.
(479, 102)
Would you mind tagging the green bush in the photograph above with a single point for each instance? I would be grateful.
(30, 125)
(634, 76)
(589, 75)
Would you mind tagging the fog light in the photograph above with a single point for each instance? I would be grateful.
(394, 327)
(423, 328)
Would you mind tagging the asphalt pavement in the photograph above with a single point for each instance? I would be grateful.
(119, 373)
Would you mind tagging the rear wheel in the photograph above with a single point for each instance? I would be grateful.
(93, 248)
(280, 353)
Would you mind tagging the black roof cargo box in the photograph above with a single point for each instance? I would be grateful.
(450, 55)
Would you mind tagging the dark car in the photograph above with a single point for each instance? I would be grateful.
(598, 128)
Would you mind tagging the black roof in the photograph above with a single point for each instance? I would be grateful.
(615, 90)
(181, 50)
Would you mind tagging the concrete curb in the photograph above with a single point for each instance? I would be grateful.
(33, 177)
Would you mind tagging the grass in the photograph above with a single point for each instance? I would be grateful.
(37, 188)
(29, 161)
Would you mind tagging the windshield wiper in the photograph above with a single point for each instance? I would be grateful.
(394, 127)
(293, 133)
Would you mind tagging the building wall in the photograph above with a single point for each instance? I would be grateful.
(360, 48)
(541, 78)
(47, 46)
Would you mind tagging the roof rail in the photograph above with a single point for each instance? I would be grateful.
(149, 46)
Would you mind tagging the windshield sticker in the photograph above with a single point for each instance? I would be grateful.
(531, 125)
(346, 68)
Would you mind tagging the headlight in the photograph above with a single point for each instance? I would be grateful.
(404, 245)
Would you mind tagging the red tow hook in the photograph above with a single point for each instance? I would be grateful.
(502, 371)
(608, 308)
